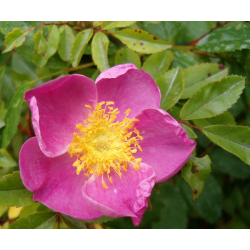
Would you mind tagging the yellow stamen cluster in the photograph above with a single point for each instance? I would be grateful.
(102, 144)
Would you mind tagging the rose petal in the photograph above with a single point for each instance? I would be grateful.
(127, 196)
(128, 88)
(57, 106)
(165, 146)
(54, 181)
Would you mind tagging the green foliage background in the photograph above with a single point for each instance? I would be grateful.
(202, 69)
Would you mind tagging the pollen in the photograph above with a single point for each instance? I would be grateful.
(104, 144)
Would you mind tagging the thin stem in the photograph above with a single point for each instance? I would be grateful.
(190, 125)
(64, 71)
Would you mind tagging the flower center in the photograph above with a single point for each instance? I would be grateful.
(102, 144)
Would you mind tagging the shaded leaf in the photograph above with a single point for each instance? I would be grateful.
(2, 70)
(101, 220)
(171, 85)
(99, 48)
(106, 25)
(184, 59)
(79, 45)
(157, 64)
(233, 36)
(213, 98)
(40, 42)
(141, 41)
(234, 139)
(126, 55)
(190, 132)
(197, 179)
(6, 160)
(72, 223)
(31, 209)
(66, 42)
(14, 39)
(199, 75)
(13, 192)
(41, 220)
(12, 115)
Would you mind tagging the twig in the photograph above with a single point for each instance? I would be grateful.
(180, 121)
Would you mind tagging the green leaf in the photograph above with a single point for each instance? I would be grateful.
(52, 46)
(234, 139)
(234, 166)
(171, 85)
(233, 36)
(41, 220)
(40, 42)
(6, 160)
(66, 42)
(2, 70)
(99, 48)
(141, 41)
(14, 39)
(101, 220)
(126, 55)
(72, 223)
(13, 114)
(184, 59)
(97, 23)
(79, 45)
(222, 119)
(13, 192)
(213, 98)
(190, 132)
(157, 64)
(107, 25)
(197, 179)
(199, 75)
(31, 209)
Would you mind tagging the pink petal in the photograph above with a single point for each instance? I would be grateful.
(57, 106)
(125, 197)
(165, 146)
(128, 88)
(54, 181)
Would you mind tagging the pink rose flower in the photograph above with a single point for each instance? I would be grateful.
(100, 147)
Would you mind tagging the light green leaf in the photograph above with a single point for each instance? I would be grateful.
(72, 223)
(141, 41)
(41, 220)
(233, 36)
(190, 132)
(13, 192)
(126, 55)
(213, 98)
(79, 45)
(199, 75)
(99, 49)
(171, 85)
(196, 180)
(52, 45)
(66, 42)
(14, 39)
(222, 119)
(40, 42)
(13, 114)
(3, 209)
(31, 209)
(97, 23)
(107, 25)
(6, 160)
(157, 64)
(234, 139)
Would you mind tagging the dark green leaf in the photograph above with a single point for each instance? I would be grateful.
(6, 160)
(126, 55)
(199, 75)
(13, 192)
(14, 39)
(197, 179)
(99, 48)
(171, 85)
(13, 114)
(184, 59)
(141, 41)
(72, 223)
(66, 42)
(107, 25)
(158, 63)
(79, 45)
(234, 139)
(213, 98)
(41, 220)
(233, 36)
